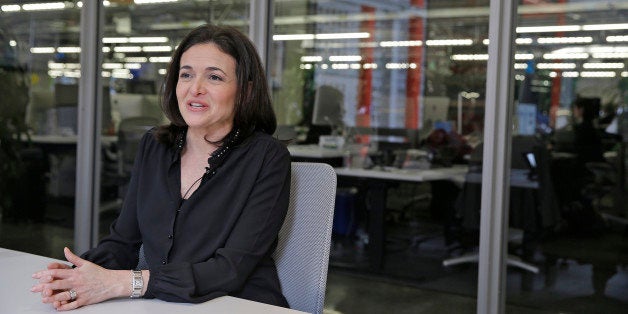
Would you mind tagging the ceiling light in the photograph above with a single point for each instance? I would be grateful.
(565, 40)
(617, 38)
(10, 8)
(604, 27)
(345, 58)
(156, 48)
(401, 43)
(610, 55)
(42, 50)
(136, 59)
(159, 59)
(548, 29)
(293, 37)
(311, 59)
(43, 6)
(598, 74)
(469, 57)
(137, 40)
(524, 56)
(153, 1)
(342, 35)
(69, 49)
(570, 74)
(449, 42)
(127, 49)
(576, 55)
(561, 66)
(595, 65)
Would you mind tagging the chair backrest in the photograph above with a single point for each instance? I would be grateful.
(302, 254)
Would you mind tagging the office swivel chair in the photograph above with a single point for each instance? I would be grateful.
(302, 254)
(531, 210)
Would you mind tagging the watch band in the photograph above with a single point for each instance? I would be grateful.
(137, 283)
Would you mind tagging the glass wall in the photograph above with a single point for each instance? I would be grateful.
(568, 136)
(38, 125)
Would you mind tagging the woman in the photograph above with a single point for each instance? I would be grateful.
(208, 194)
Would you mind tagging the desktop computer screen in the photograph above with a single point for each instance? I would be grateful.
(328, 106)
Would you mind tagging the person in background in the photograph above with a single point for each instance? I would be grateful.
(208, 194)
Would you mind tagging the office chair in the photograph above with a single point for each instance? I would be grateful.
(533, 215)
(302, 254)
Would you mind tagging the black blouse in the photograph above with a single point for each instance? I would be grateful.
(220, 240)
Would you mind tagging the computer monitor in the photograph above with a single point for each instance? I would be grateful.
(328, 106)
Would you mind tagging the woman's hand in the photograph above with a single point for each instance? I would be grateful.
(68, 288)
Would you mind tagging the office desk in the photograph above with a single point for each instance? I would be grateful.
(315, 153)
(17, 267)
(377, 183)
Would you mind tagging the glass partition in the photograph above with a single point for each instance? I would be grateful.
(388, 87)
(568, 205)
(38, 125)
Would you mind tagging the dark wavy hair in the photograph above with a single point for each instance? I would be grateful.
(253, 108)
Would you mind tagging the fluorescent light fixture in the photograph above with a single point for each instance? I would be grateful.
(69, 49)
(311, 59)
(115, 40)
(610, 55)
(521, 66)
(562, 66)
(565, 40)
(106, 49)
(396, 66)
(575, 55)
(162, 71)
(612, 39)
(342, 35)
(340, 66)
(611, 65)
(10, 8)
(140, 2)
(355, 66)
(524, 41)
(293, 37)
(470, 57)
(553, 74)
(121, 74)
(12, 43)
(42, 50)
(144, 40)
(524, 56)
(519, 77)
(156, 48)
(136, 59)
(105, 74)
(324, 66)
(369, 66)
(43, 6)
(604, 27)
(127, 49)
(345, 58)
(548, 29)
(111, 66)
(624, 74)
(486, 41)
(570, 74)
(159, 59)
(132, 66)
(401, 43)
(55, 66)
(449, 42)
(598, 74)
(321, 36)
(306, 66)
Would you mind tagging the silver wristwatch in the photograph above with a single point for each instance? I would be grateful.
(137, 284)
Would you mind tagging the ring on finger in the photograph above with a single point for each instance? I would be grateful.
(72, 295)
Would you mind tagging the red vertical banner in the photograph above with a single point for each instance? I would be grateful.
(414, 78)
(556, 81)
(363, 113)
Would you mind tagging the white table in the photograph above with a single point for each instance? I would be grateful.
(17, 267)
(378, 182)
(314, 151)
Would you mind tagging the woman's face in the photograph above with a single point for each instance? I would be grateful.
(207, 88)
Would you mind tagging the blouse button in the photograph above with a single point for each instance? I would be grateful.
(169, 236)
(163, 262)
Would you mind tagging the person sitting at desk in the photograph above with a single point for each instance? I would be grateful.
(208, 226)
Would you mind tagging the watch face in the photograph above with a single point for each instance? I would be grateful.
(137, 282)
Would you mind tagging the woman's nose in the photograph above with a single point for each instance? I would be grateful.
(198, 88)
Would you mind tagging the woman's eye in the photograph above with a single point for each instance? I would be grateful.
(184, 75)
(214, 77)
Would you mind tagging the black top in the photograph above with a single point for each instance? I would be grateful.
(220, 240)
